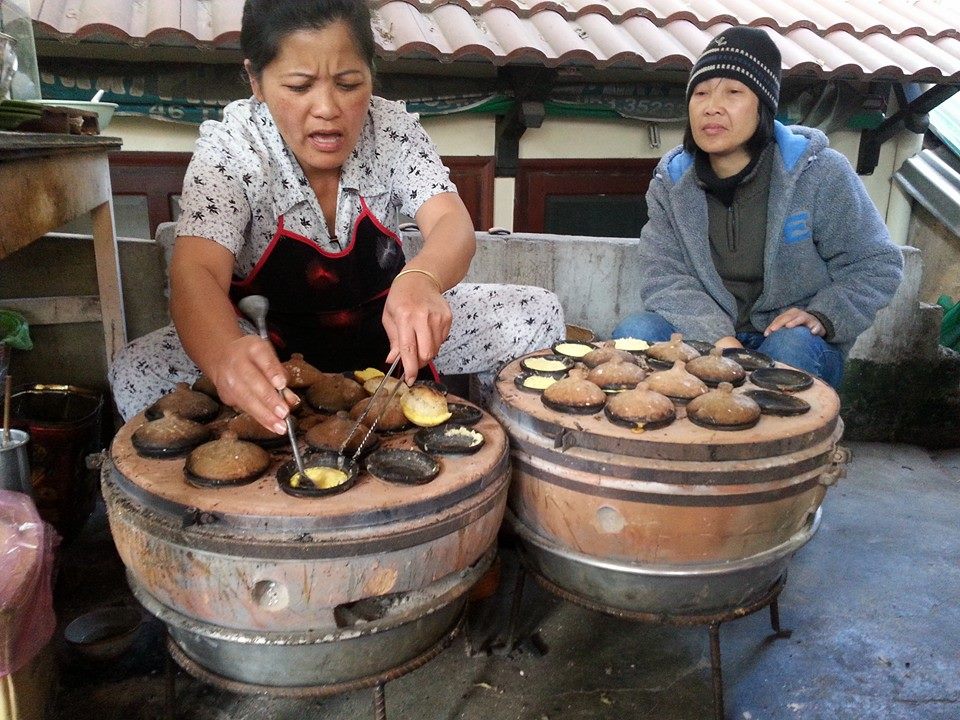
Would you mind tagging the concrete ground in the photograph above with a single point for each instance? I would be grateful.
(873, 602)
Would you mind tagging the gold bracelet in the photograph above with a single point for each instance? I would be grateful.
(436, 280)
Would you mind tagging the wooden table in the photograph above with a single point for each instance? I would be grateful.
(47, 180)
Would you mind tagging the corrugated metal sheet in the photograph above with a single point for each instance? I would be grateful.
(890, 39)
(931, 177)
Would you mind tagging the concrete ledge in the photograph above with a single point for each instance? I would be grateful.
(906, 329)
(596, 279)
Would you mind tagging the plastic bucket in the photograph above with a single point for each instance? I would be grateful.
(64, 426)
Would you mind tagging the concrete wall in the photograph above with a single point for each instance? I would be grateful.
(941, 255)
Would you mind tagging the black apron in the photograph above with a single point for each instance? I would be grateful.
(328, 306)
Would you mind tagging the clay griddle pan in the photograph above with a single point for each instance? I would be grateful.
(782, 379)
(772, 402)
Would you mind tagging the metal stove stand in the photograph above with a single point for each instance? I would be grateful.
(176, 656)
(711, 620)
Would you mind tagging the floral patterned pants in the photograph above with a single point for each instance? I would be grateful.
(492, 324)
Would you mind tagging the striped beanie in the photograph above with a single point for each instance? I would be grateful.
(741, 53)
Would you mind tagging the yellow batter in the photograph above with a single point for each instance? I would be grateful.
(543, 365)
(323, 478)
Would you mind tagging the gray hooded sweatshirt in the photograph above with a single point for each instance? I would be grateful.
(827, 248)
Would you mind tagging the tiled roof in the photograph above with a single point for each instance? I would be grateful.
(875, 39)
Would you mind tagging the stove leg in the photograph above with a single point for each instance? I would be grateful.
(507, 646)
(170, 686)
(379, 702)
(775, 620)
(716, 671)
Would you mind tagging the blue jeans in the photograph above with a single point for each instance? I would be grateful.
(794, 346)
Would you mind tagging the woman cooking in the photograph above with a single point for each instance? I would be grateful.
(296, 195)
(759, 234)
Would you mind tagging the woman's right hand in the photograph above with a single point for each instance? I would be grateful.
(248, 375)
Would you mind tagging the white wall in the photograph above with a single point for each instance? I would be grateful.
(600, 139)
(142, 134)
(462, 134)
(560, 138)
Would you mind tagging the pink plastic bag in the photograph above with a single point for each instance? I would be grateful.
(27, 546)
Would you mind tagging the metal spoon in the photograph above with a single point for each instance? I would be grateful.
(255, 307)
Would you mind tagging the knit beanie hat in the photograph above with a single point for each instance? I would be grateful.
(741, 53)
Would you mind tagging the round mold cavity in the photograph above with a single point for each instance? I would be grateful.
(449, 439)
(782, 379)
(407, 467)
(105, 633)
(321, 459)
(772, 402)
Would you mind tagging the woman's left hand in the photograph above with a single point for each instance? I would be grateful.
(795, 317)
(417, 320)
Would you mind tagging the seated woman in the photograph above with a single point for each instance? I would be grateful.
(296, 195)
(759, 234)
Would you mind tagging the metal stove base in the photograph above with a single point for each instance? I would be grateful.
(711, 619)
(176, 656)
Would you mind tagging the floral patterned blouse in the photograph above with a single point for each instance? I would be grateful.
(243, 178)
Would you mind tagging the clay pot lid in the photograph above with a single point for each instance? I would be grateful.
(169, 436)
(330, 433)
(572, 395)
(392, 418)
(607, 353)
(332, 392)
(663, 354)
(714, 369)
(449, 439)
(640, 408)
(722, 409)
(408, 467)
(244, 427)
(300, 373)
(424, 406)
(701, 346)
(342, 477)
(552, 365)
(676, 383)
(205, 385)
(616, 375)
(186, 403)
(226, 462)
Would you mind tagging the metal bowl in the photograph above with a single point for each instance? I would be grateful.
(674, 590)
(105, 633)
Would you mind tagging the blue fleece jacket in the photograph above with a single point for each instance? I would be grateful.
(827, 248)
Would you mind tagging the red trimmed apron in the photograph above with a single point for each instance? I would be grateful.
(328, 306)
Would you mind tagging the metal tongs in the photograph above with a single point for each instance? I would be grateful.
(366, 410)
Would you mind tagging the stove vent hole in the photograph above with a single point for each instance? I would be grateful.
(367, 610)
(609, 519)
(271, 595)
